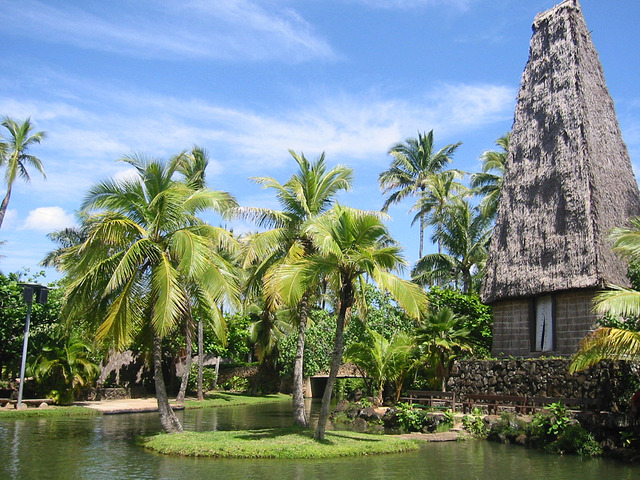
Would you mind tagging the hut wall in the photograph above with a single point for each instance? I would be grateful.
(512, 329)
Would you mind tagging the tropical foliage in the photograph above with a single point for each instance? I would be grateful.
(488, 183)
(349, 245)
(149, 261)
(611, 342)
(464, 233)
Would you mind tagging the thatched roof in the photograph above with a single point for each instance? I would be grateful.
(568, 177)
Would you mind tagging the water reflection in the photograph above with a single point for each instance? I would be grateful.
(104, 447)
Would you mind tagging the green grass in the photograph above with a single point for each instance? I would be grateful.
(48, 412)
(227, 399)
(281, 443)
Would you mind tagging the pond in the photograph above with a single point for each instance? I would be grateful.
(103, 447)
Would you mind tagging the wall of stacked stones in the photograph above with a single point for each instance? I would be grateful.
(612, 382)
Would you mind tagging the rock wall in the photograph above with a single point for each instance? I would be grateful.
(612, 382)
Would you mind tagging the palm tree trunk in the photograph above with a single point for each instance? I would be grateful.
(299, 414)
(187, 369)
(346, 300)
(5, 204)
(200, 359)
(421, 236)
(168, 419)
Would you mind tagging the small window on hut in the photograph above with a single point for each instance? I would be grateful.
(543, 324)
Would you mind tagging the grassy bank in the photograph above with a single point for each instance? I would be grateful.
(227, 399)
(289, 443)
(48, 412)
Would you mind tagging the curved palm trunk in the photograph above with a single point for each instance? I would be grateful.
(187, 369)
(299, 414)
(5, 204)
(168, 419)
(346, 300)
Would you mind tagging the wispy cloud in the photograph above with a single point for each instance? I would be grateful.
(230, 30)
(408, 4)
(356, 126)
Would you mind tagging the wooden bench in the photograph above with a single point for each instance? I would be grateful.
(540, 403)
(493, 402)
(430, 398)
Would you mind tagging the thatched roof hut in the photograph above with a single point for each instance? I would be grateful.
(568, 177)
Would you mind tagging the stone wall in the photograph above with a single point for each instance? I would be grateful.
(612, 382)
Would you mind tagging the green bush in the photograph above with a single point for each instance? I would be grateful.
(236, 384)
(208, 378)
(474, 423)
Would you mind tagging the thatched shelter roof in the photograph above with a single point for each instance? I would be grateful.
(568, 177)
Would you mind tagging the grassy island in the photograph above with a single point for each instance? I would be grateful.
(228, 399)
(281, 443)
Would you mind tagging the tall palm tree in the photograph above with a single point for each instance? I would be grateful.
(147, 258)
(442, 188)
(615, 343)
(308, 193)
(488, 183)
(414, 161)
(193, 165)
(464, 233)
(350, 245)
(14, 156)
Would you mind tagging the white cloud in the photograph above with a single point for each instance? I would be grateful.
(47, 219)
(231, 29)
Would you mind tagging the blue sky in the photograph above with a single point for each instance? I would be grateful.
(249, 79)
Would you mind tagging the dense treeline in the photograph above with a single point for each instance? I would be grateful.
(143, 271)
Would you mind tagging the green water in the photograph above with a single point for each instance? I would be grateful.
(96, 448)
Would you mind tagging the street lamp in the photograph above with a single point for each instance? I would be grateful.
(29, 291)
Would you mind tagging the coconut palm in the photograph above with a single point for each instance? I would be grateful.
(615, 343)
(442, 188)
(414, 161)
(443, 338)
(148, 260)
(488, 183)
(350, 245)
(383, 360)
(307, 194)
(464, 233)
(193, 165)
(14, 156)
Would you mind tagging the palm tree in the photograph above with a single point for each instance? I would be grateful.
(350, 245)
(66, 366)
(14, 156)
(488, 183)
(148, 261)
(414, 161)
(193, 165)
(442, 188)
(607, 342)
(382, 360)
(307, 194)
(444, 338)
(464, 233)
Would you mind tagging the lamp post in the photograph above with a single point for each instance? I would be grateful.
(41, 293)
